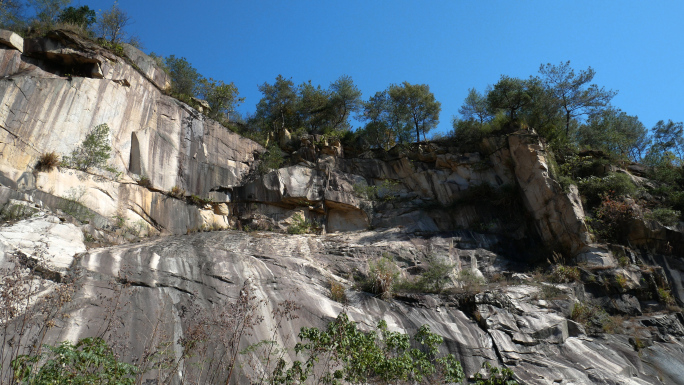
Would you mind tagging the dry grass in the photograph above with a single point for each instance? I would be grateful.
(47, 162)
(337, 292)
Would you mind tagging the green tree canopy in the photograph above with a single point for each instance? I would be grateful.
(81, 16)
(112, 24)
(614, 132)
(416, 105)
(475, 107)
(509, 94)
(278, 108)
(572, 91)
(184, 77)
(47, 11)
(222, 98)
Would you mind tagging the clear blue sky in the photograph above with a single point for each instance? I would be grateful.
(636, 47)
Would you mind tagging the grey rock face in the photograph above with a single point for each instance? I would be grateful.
(157, 281)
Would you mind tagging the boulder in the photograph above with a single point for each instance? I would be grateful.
(11, 40)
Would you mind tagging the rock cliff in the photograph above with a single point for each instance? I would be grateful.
(489, 216)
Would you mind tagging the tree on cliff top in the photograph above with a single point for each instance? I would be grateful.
(417, 105)
(575, 97)
(112, 24)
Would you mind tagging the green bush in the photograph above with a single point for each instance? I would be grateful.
(593, 188)
(94, 151)
(565, 274)
(90, 361)
(496, 376)
(385, 191)
(666, 216)
(436, 276)
(383, 276)
(300, 225)
(375, 357)
(272, 159)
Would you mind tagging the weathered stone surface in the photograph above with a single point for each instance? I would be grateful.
(11, 40)
(559, 217)
(43, 238)
(148, 67)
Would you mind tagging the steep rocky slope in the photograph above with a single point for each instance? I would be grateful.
(491, 216)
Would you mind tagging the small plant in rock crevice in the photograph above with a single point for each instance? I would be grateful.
(300, 225)
(47, 162)
(93, 152)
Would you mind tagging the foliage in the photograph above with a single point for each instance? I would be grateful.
(10, 13)
(115, 47)
(47, 162)
(82, 16)
(564, 274)
(272, 159)
(177, 192)
(277, 109)
(668, 139)
(94, 151)
(337, 291)
(665, 296)
(416, 106)
(300, 225)
(435, 276)
(385, 191)
(344, 354)
(48, 11)
(14, 212)
(383, 276)
(112, 24)
(496, 376)
(664, 215)
(612, 217)
(474, 107)
(90, 361)
(306, 107)
(593, 188)
(145, 181)
(222, 98)
(571, 91)
(510, 95)
(385, 125)
(616, 133)
(184, 77)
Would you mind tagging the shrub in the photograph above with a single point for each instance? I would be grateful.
(383, 276)
(300, 225)
(47, 162)
(565, 274)
(435, 276)
(90, 361)
(177, 192)
(611, 218)
(375, 357)
(272, 159)
(593, 188)
(666, 216)
(665, 296)
(470, 282)
(385, 191)
(94, 151)
(145, 181)
(337, 292)
(497, 376)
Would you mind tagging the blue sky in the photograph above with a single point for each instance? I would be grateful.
(636, 47)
